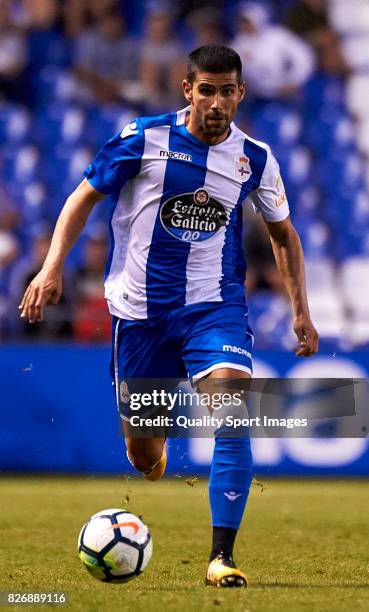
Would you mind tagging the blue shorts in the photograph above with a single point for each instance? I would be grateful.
(191, 341)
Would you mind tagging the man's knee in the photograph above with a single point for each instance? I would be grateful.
(144, 453)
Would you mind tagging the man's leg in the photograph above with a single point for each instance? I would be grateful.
(142, 354)
(147, 455)
(229, 485)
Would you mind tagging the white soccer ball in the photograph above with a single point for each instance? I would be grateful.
(114, 545)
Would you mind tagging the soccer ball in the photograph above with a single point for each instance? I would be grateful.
(114, 545)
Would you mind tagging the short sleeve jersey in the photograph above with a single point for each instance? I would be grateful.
(176, 223)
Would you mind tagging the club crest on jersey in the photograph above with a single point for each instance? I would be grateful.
(201, 196)
(193, 217)
(243, 169)
(124, 392)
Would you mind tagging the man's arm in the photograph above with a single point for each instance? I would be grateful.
(46, 287)
(289, 258)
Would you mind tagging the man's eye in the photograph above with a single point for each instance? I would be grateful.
(206, 92)
(227, 92)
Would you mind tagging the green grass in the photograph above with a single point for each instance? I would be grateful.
(304, 544)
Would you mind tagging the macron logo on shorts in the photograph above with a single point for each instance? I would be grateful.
(236, 349)
(232, 495)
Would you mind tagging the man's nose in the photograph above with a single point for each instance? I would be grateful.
(216, 104)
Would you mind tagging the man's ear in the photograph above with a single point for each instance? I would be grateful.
(242, 90)
(187, 90)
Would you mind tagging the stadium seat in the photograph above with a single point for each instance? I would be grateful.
(21, 164)
(299, 166)
(61, 124)
(341, 174)
(322, 91)
(332, 131)
(362, 135)
(277, 124)
(366, 173)
(15, 123)
(34, 203)
(106, 121)
(354, 287)
(324, 297)
(354, 280)
(66, 166)
(65, 86)
(77, 163)
(356, 50)
(357, 95)
(308, 203)
(53, 85)
(270, 320)
(348, 21)
(344, 133)
(320, 274)
(315, 239)
(72, 124)
(360, 210)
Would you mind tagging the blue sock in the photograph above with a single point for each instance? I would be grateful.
(230, 480)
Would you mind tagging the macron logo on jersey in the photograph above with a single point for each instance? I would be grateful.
(176, 155)
(130, 130)
(236, 349)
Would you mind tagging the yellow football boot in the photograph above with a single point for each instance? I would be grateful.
(222, 572)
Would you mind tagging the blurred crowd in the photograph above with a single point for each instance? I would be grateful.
(72, 72)
(109, 61)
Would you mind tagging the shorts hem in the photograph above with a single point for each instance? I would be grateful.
(218, 366)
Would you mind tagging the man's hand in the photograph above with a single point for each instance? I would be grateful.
(46, 288)
(307, 337)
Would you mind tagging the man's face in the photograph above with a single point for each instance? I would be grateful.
(214, 99)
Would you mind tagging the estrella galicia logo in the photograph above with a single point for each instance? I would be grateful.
(193, 216)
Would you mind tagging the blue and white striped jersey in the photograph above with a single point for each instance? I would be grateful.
(176, 225)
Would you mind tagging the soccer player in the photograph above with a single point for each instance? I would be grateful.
(175, 274)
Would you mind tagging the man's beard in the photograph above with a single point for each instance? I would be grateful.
(216, 128)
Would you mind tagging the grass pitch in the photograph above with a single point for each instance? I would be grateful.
(305, 544)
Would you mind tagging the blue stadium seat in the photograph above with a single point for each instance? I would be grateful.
(315, 238)
(270, 320)
(326, 128)
(15, 124)
(46, 46)
(22, 164)
(298, 168)
(106, 122)
(323, 91)
(35, 201)
(309, 202)
(276, 124)
(77, 162)
(62, 123)
(342, 174)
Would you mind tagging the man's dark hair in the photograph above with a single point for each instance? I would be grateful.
(213, 58)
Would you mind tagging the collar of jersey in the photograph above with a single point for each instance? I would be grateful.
(184, 131)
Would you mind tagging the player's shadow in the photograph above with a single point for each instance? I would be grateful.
(296, 585)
